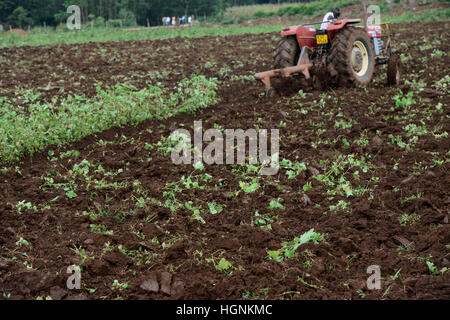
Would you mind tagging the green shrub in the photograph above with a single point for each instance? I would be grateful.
(99, 22)
(115, 23)
(259, 14)
(127, 17)
(228, 22)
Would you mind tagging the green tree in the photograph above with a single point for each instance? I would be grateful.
(52, 12)
(20, 17)
(127, 17)
(6, 8)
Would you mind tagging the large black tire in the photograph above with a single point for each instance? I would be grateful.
(287, 54)
(394, 70)
(353, 57)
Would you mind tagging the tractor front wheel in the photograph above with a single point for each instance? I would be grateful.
(353, 57)
(288, 53)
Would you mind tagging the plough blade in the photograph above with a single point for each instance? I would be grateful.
(303, 66)
(265, 77)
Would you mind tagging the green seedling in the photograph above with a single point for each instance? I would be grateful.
(289, 249)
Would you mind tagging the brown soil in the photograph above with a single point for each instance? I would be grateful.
(165, 255)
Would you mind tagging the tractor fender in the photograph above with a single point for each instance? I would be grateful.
(289, 31)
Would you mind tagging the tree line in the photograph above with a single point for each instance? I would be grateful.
(21, 13)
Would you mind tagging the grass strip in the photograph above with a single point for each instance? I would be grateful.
(29, 130)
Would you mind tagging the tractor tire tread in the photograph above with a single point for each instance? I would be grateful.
(287, 53)
(340, 56)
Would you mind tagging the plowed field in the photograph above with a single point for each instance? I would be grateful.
(366, 168)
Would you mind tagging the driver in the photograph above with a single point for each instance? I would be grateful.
(330, 16)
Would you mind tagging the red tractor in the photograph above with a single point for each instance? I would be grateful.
(346, 52)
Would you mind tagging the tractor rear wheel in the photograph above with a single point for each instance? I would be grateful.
(394, 70)
(353, 57)
(287, 54)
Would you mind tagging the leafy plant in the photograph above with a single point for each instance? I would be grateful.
(307, 187)
(264, 221)
(71, 194)
(101, 229)
(404, 101)
(119, 286)
(432, 267)
(289, 248)
(215, 208)
(249, 187)
(22, 242)
(196, 212)
(409, 219)
(224, 265)
(276, 204)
